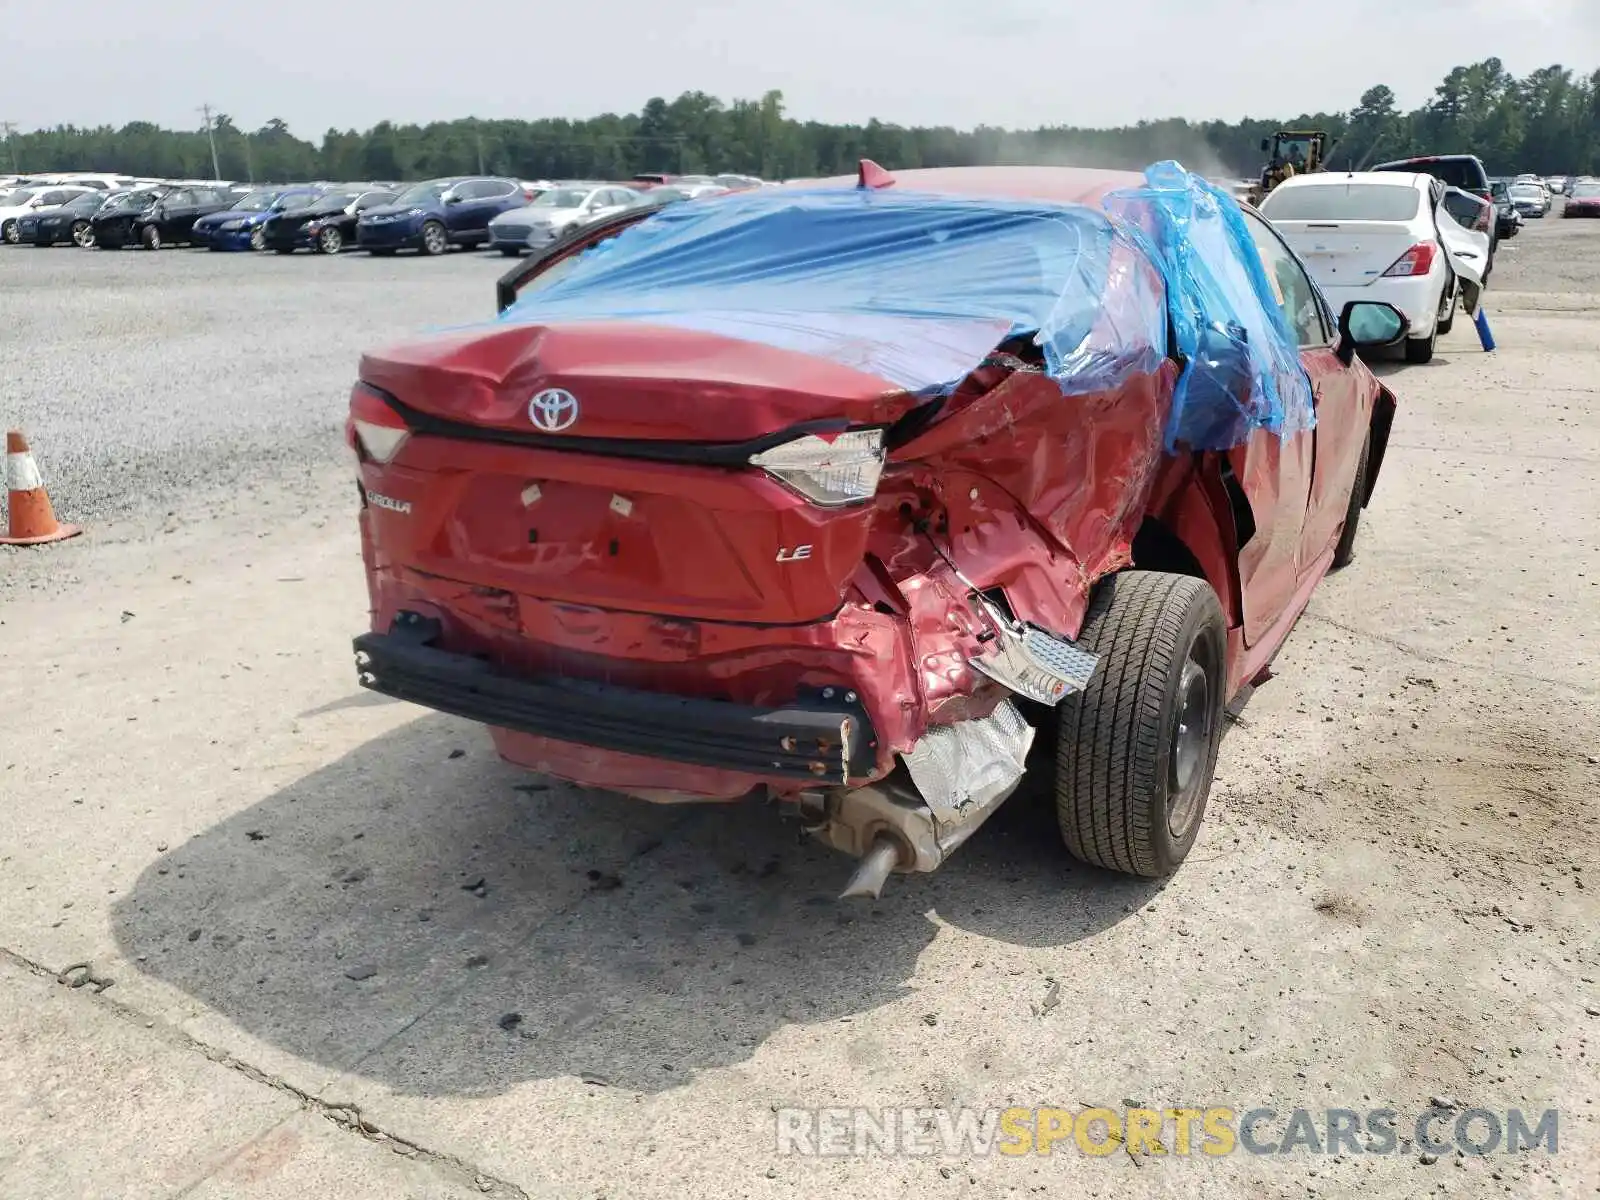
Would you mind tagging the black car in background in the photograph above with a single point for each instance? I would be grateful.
(1507, 220)
(328, 225)
(112, 227)
(171, 218)
(71, 223)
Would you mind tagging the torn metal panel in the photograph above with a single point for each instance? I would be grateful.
(963, 768)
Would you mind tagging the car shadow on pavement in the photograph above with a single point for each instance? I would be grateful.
(421, 914)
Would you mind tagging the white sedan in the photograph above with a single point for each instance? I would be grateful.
(1382, 236)
(18, 202)
(562, 207)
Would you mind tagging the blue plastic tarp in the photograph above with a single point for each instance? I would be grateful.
(919, 289)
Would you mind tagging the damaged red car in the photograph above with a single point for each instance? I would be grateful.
(843, 493)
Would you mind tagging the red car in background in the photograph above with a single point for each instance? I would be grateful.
(1583, 199)
(841, 493)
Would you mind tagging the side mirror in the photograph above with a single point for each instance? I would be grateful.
(1266, 143)
(453, 198)
(1369, 325)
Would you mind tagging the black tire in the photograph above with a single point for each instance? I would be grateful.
(330, 240)
(1447, 317)
(8, 233)
(150, 238)
(435, 240)
(1420, 350)
(1137, 748)
(510, 251)
(1344, 553)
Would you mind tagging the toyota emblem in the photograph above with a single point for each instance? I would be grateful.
(553, 410)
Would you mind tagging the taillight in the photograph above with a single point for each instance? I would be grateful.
(377, 428)
(1416, 261)
(830, 470)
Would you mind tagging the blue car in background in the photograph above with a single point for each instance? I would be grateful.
(243, 227)
(433, 216)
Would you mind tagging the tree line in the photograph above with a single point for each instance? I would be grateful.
(1548, 122)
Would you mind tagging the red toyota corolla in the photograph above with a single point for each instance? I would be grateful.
(839, 493)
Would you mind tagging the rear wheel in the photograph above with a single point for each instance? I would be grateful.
(1420, 350)
(330, 240)
(434, 241)
(150, 238)
(8, 232)
(1136, 749)
(1447, 307)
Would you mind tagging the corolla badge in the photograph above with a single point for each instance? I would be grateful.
(553, 410)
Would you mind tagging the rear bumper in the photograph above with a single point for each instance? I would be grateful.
(811, 742)
(1417, 298)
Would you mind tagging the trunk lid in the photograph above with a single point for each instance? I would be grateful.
(630, 380)
(1348, 253)
(645, 500)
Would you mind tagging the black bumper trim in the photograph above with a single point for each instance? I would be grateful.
(825, 743)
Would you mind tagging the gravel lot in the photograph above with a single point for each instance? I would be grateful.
(146, 378)
(352, 954)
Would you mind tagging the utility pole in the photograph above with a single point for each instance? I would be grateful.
(10, 128)
(216, 168)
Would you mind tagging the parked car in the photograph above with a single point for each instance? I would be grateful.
(822, 548)
(1383, 236)
(69, 222)
(170, 220)
(90, 179)
(556, 211)
(327, 225)
(431, 217)
(241, 226)
(1583, 199)
(1530, 200)
(1508, 221)
(1556, 183)
(112, 226)
(20, 202)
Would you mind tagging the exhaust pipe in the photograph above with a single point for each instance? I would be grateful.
(873, 871)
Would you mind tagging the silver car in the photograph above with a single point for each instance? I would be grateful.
(564, 207)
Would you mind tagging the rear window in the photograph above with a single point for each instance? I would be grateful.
(1342, 202)
(1465, 173)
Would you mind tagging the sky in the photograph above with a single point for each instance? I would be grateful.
(1015, 63)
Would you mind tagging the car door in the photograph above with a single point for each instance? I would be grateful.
(495, 197)
(170, 212)
(1464, 223)
(1342, 396)
(347, 222)
(1275, 472)
(470, 212)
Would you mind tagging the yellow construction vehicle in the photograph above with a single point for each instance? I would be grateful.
(1293, 152)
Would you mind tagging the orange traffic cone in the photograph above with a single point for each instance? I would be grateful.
(33, 521)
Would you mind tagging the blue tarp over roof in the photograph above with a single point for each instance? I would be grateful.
(919, 289)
